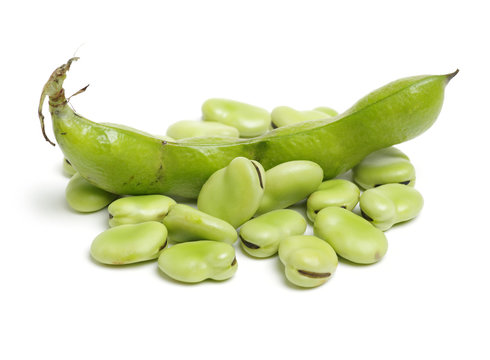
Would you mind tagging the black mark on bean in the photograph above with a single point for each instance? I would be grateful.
(249, 244)
(258, 173)
(365, 216)
(314, 275)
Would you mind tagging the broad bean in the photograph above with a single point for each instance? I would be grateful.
(308, 260)
(285, 115)
(385, 166)
(68, 169)
(387, 205)
(138, 209)
(248, 119)
(126, 244)
(326, 110)
(196, 261)
(336, 192)
(82, 196)
(288, 183)
(260, 236)
(190, 128)
(351, 236)
(184, 223)
(234, 192)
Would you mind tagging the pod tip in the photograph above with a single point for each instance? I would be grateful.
(451, 75)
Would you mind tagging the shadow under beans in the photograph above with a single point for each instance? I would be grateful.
(48, 200)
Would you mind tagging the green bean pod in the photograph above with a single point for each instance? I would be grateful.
(125, 161)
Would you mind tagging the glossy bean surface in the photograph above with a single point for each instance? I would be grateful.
(249, 120)
(385, 166)
(308, 260)
(336, 192)
(260, 237)
(190, 128)
(285, 115)
(351, 236)
(130, 243)
(234, 192)
(288, 183)
(185, 223)
(82, 196)
(138, 209)
(387, 205)
(197, 261)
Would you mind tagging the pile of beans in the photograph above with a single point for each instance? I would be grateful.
(243, 196)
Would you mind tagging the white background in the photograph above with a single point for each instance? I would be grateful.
(152, 63)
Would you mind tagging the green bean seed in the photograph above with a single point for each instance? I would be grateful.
(85, 197)
(385, 166)
(199, 260)
(337, 192)
(260, 237)
(390, 204)
(68, 169)
(308, 260)
(184, 223)
(234, 192)
(138, 209)
(288, 183)
(284, 115)
(352, 237)
(190, 128)
(126, 244)
(248, 119)
(327, 110)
